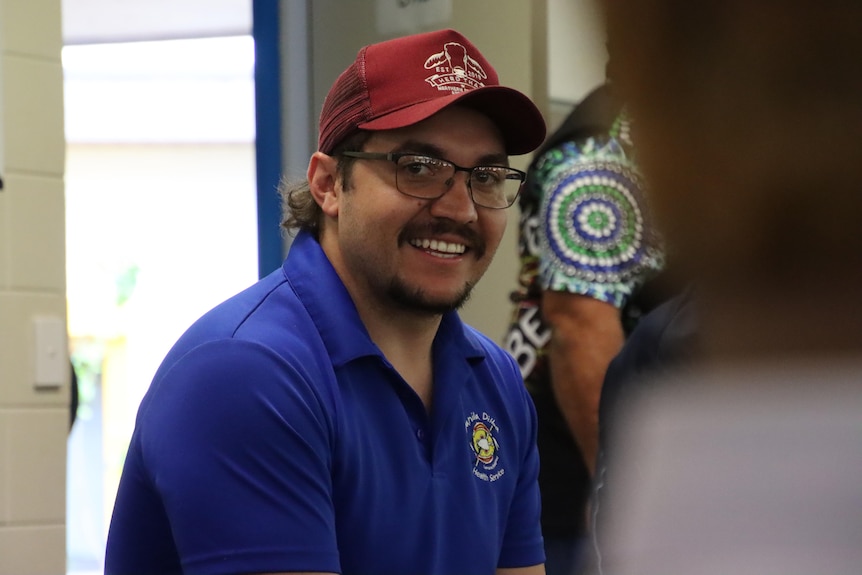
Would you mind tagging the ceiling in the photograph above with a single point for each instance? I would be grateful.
(100, 21)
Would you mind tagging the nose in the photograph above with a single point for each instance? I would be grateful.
(457, 203)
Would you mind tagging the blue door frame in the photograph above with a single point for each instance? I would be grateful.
(268, 138)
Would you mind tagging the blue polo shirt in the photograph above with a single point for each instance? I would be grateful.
(276, 437)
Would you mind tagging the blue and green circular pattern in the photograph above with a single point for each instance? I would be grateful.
(594, 222)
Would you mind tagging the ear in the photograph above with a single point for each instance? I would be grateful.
(323, 182)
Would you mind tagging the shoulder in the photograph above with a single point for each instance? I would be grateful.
(663, 336)
(584, 156)
(596, 234)
(662, 340)
(258, 342)
(235, 378)
(499, 376)
(267, 316)
(222, 392)
(492, 353)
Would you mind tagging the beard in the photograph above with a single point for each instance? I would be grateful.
(415, 300)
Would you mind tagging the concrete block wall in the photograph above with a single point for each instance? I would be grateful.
(34, 422)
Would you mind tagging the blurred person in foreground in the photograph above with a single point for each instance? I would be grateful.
(588, 249)
(746, 459)
(337, 416)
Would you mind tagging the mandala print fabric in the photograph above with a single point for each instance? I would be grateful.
(597, 238)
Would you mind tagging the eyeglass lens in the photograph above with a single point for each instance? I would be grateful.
(426, 177)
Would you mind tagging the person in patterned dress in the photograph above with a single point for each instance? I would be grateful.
(587, 249)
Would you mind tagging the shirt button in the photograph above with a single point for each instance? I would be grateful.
(420, 434)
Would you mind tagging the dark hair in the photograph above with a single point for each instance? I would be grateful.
(299, 210)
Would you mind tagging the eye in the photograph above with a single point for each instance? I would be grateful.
(421, 166)
(489, 176)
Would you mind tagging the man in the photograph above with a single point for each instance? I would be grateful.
(338, 417)
(587, 247)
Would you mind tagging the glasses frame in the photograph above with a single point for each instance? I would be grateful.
(394, 157)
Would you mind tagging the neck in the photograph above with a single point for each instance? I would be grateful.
(405, 336)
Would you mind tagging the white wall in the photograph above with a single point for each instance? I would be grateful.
(576, 49)
(33, 423)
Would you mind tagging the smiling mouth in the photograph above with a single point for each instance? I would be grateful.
(439, 248)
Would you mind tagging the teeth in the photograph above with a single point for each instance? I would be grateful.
(438, 246)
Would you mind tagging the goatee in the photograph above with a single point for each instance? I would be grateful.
(415, 300)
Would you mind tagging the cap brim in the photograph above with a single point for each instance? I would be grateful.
(519, 120)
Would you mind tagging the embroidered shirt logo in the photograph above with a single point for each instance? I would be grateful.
(486, 450)
(484, 444)
(454, 70)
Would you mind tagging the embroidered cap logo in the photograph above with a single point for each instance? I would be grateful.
(455, 70)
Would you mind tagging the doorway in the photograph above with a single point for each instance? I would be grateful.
(161, 224)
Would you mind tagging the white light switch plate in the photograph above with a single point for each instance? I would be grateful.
(51, 357)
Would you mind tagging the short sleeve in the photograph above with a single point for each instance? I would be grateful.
(597, 238)
(238, 448)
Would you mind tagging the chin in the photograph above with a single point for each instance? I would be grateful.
(418, 300)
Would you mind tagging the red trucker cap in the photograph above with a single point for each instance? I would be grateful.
(403, 81)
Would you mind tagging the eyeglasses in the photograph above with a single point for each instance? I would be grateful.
(428, 178)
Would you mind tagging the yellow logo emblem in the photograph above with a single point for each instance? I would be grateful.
(484, 445)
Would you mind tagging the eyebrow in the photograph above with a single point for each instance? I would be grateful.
(424, 148)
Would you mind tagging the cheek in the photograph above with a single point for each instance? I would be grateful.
(494, 228)
(380, 202)
(374, 219)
